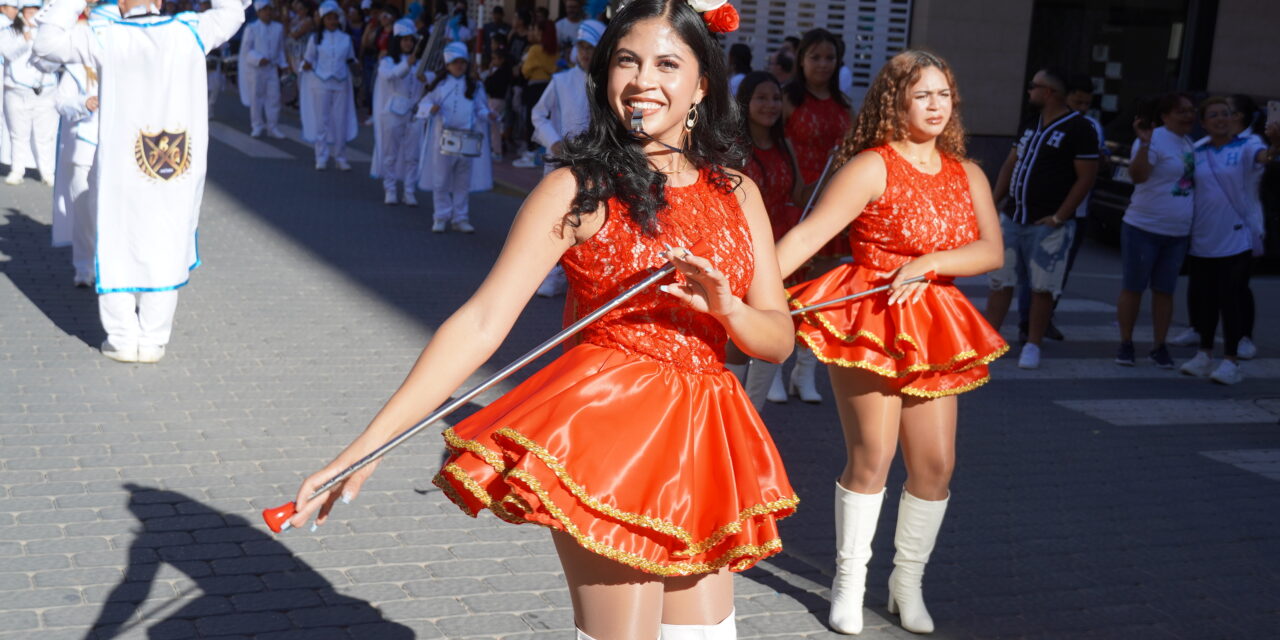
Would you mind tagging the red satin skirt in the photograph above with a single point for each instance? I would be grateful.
(936, 347)
(668, 471)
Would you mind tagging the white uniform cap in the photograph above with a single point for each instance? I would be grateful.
(590, 31)
(454, 51)
(403, 27)
(366, 5)
(29, 3)
(259, 5)
(329, 6)
(8, 3)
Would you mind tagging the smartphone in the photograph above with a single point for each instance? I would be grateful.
(1273, 112)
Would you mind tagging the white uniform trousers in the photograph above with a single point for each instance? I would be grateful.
(133, 319)
(451, 188)
(400, 145)
(216, 83)
(33, 123)
(6, 145)
(84, 223)
(264, 104)
(332, 103)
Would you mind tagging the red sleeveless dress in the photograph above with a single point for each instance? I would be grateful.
(936, 347)
(814, 129)
(636, 442)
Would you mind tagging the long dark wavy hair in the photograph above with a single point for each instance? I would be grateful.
(607, 162)
(798, 89)
(777, 133)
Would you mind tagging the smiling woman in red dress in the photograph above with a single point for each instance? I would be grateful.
(636, 448)
(897, 360)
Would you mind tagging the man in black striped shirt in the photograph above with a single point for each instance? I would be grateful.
(1047, 175)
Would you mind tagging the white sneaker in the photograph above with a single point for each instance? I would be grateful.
(276, 133)
(321, 165)
(13, 178)
(256, 133)
(409, 198)
(1188, 338)
(1199, 366)
(342, 164)
(777, 391)
(150, 353)
(463, 226)
(48, 181)
(525, 161)
(1029, 358)
(1227, 373)
(1246, 349)
(439, 226)
(391, 198)
(120, 354)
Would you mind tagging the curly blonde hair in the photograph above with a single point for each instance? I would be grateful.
(883, 118)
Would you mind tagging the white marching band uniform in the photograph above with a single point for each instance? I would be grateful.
(5, 154)
(451, 178)
(329, 110)
(260, 84)
(564, 111)
(74, 203)
(397, 135)
(152, 156)
(29, 112)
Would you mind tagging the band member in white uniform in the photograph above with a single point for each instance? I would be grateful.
(455, 101)
(397, 135)
(563, 112)
(29, 85)
(8, 11)
(152, 148)
(261, 63)
(74, 203)
(329, 56)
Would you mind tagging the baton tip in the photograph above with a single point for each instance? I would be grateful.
(277, 517)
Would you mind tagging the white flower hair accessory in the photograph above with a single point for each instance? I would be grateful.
(719, 15)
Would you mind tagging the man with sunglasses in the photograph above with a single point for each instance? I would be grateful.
(1046, 176)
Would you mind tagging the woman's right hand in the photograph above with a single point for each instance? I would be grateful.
(347, 490)
(1142, 129)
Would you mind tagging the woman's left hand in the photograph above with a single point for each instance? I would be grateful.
(904, 293)
(704, 289)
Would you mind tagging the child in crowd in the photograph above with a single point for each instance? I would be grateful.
(397, 134)
(261, 62)
(330, 57)
(457, 106)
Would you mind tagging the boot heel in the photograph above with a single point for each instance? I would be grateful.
(893, 605)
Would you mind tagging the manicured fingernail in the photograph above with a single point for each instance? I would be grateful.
(285, 527)
(346, 498)
(314, 526)
(663, 288)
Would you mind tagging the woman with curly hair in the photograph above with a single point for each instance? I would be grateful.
(897, 360)
(636, 447)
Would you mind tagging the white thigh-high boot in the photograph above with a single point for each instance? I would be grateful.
(917, 531)
(724, 630)
(760, 376)
(583, 636)
(777, 391)
(856, 517)
(802, 380)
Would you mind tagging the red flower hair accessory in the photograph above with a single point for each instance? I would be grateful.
(719, 15)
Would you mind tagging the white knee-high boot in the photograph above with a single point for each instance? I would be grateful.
(760, 377)
(917, 531)
(724, 630)
(856, 517)
(802, 380)
(739, 371)
(583, 636)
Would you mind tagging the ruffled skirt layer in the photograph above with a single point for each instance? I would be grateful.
(936, 347)
(664, 470)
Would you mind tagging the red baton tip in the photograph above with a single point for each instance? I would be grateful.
(276, 517)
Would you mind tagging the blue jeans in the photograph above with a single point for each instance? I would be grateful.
(1151, 259)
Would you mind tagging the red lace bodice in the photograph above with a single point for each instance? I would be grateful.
(917, 214)
(771, 170)
(814, 128)
(654, 324)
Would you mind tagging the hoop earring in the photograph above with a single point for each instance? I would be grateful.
(691, 119)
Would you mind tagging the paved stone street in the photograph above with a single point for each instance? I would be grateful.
(1091, 501)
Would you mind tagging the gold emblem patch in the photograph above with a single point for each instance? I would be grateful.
(163, 156)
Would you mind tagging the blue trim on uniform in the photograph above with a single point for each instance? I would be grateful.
(98, 279)
(187, 18)
(86, 140)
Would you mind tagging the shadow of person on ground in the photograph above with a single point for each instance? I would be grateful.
(43, 274)
(245, 583)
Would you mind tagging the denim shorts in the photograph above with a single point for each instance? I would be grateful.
(1035, 252)
(1151, 259)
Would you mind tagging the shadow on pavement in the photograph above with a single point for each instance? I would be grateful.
(43, 274)
(239, 581)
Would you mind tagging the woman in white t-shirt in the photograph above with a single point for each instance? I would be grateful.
(1157, 224)
(1226, 231)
